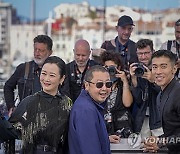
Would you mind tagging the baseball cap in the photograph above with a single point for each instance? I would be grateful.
(125, 20)
(177, 23)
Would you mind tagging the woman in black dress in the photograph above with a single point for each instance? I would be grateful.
(44, 115)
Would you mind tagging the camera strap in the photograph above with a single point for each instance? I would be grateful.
(26, 72)
(169, 45)
(177, 49)
(145, 94)
(125, 54)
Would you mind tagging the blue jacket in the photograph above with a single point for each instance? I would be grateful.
(87, 129)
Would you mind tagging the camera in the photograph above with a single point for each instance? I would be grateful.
(139, 71)
(112, 70)
(124, 132)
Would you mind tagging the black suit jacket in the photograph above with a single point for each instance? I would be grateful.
(169, 105)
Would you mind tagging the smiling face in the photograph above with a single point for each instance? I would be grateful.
(98, 94)
(163, 71)
(124, 33)
(50, 78)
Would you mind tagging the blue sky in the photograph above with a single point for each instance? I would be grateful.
(44, 6)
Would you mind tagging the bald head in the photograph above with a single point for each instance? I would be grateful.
(82, 44)
(81, 52)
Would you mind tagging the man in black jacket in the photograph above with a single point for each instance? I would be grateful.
(122, 43)
(164, 69)
(29, 84)
(145, 111)
(78, 67)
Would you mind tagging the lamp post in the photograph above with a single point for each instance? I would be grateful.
(33, 12)
(104, 21)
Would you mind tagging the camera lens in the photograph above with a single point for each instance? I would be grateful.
(112, 70)
(139, 71)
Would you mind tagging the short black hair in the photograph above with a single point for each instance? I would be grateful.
(96, 68)
(143, 43)
(112, 56)
(165, 53)
(59, 62)
(44, 39)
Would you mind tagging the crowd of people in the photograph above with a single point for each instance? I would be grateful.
(83, 106)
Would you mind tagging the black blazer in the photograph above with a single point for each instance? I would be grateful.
(169, 105)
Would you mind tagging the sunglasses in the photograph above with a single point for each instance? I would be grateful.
(100, 84)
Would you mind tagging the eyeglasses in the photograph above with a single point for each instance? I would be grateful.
(100, 84)
(143, 53)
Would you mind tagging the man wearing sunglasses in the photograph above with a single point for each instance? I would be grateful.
(87, 130)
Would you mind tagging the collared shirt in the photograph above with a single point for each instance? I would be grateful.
(49, 97)
(87, 129)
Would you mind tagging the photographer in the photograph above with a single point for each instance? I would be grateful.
(77, 68)
(117, 116)
(146, 115)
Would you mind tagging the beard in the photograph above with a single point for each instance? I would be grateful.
(81, 64)
(40, 62)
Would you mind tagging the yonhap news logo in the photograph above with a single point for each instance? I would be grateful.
(134, 140)
(162, 140)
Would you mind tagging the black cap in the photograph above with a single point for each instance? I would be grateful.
(125, 20)
(177, 23)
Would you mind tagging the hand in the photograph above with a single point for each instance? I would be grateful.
(132, 73)
(150, 144)
(114, 139)
(121, 75)
(178, 63)
(148, 74)
(132, 68)
(10, 111)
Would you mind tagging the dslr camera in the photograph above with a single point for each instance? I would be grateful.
(139, 71)
(124, 132)
(112, 70)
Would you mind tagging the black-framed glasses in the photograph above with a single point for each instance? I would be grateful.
(100, 84)
(143, 53)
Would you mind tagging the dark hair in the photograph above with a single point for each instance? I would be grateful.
(89, 74)
(177, 23)
(59, 62)
(143, 43)
(112, 56)
(44, 39)
(165, 53)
